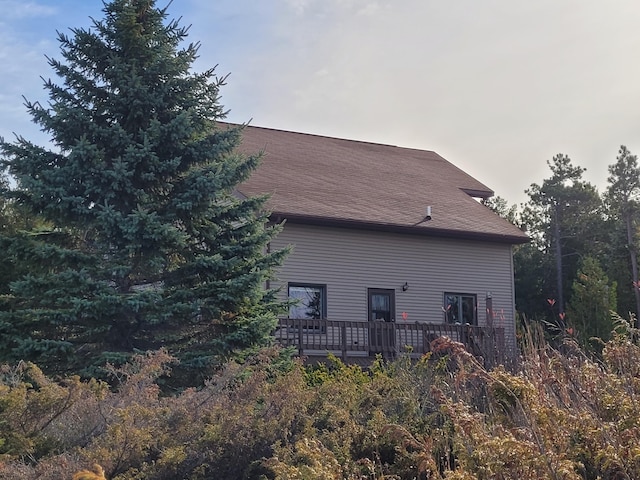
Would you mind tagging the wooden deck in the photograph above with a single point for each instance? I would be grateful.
(355, 341)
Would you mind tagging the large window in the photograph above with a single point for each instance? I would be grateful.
(310, 301)
(460, 308)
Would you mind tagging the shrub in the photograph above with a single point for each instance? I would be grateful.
(559, 416)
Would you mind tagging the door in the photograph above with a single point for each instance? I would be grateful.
(382, 315)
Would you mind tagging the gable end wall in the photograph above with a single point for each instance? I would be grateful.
(350, 261)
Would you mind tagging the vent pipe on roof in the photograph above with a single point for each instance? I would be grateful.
(428, 215)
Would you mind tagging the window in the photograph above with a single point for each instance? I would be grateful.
(311, 301)
(460, 308)
(381, 304)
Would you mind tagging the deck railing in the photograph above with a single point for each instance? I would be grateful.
(350, 339)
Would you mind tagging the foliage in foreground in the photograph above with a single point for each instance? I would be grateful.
(561, 416)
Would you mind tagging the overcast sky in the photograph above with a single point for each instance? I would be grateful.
(497, 87)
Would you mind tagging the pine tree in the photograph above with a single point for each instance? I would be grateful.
(148, 242)
(622, 199)
(563, 218)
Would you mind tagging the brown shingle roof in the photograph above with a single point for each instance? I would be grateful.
(324, 180)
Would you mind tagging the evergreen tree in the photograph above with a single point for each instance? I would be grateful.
(592, 301)
(530, 264)
(5, 226)
(531, 280)
(621, 198)
(14, 221)
(149, 244)
(500, 206)
(563, 218)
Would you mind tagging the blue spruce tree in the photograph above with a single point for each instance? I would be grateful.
(144, 242)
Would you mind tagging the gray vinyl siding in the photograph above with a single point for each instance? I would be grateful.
(350, 261)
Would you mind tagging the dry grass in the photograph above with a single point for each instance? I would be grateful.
(561, 415)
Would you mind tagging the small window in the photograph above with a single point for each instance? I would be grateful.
(460, 308)
(311, 301)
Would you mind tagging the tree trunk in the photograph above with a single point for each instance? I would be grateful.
(634, 263)
(557, 250)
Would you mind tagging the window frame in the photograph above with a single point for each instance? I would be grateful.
(322, 287)
(323, 297)
(460, 307)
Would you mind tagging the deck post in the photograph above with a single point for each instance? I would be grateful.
(300, 338)
(392, 340)
(343, 341)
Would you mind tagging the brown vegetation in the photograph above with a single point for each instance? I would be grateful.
(96, 473)
(560, 416)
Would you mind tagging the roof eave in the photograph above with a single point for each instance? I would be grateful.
(394, 228)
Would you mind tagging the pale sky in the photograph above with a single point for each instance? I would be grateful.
(497, 87)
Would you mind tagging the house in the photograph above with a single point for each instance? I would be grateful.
(390, 242)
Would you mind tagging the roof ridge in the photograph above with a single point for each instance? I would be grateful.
(317, 135)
